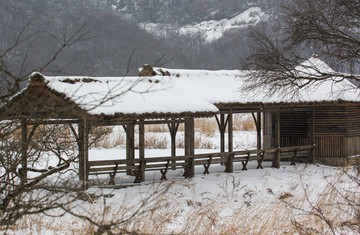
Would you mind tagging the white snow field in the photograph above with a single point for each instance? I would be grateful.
(256, 201)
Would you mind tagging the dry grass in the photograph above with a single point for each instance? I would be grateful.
(202, 142)
(206, 127)
(111, 139)
(158, 128)
(154, 141)
(290, 215)
(244, 123)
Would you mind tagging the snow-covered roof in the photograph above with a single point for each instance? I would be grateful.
(229, 86)
(129, 95)
(191, 91)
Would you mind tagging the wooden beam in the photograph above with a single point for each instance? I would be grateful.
(137, 122)
(54, 122)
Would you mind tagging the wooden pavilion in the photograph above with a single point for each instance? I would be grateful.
(288, 126)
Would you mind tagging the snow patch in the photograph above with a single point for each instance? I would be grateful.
(211, 30)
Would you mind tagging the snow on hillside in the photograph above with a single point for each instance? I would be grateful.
(209, 30)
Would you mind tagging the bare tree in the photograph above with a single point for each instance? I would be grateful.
(36, 193)
(39, 157)
(335, 212)
(329, 28)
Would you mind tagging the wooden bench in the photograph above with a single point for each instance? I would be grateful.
(138, 167)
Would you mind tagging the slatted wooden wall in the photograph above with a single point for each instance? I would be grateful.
(337, 130)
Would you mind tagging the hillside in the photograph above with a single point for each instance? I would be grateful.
(109, 42)
(211, 30)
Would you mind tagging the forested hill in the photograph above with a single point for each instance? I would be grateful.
(114, 32)
(107, 50)
(183, 12)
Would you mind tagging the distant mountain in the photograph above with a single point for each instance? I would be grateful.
(186, 12)
(208, 34)
(211, 30)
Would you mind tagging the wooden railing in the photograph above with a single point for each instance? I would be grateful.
(138, 167)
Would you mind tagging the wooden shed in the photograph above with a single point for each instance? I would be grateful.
(333, 127)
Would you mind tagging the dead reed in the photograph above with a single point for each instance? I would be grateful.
(301, 213)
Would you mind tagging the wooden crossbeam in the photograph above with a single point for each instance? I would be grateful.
(112, 175)
(163, 172)
(294, 158)
(207, 165)
(259, 166)
(244, 163)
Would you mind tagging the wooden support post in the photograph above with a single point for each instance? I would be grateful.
(222, 133)
(257, 121)
(132, 141)
(230, 164)
(192, 136)
(258, 131)
(190, 145)
(142, 170)
(230, 160)
(142, 141)
(230, 132)
(266, 143)
(83, 133)
(222, 127)
(312, 135)
(24, 148)
(173, 128)
(276, 161)
(130, 147)
(187, 137)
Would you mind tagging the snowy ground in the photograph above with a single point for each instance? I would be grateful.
(253, 201)
(256, 201)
